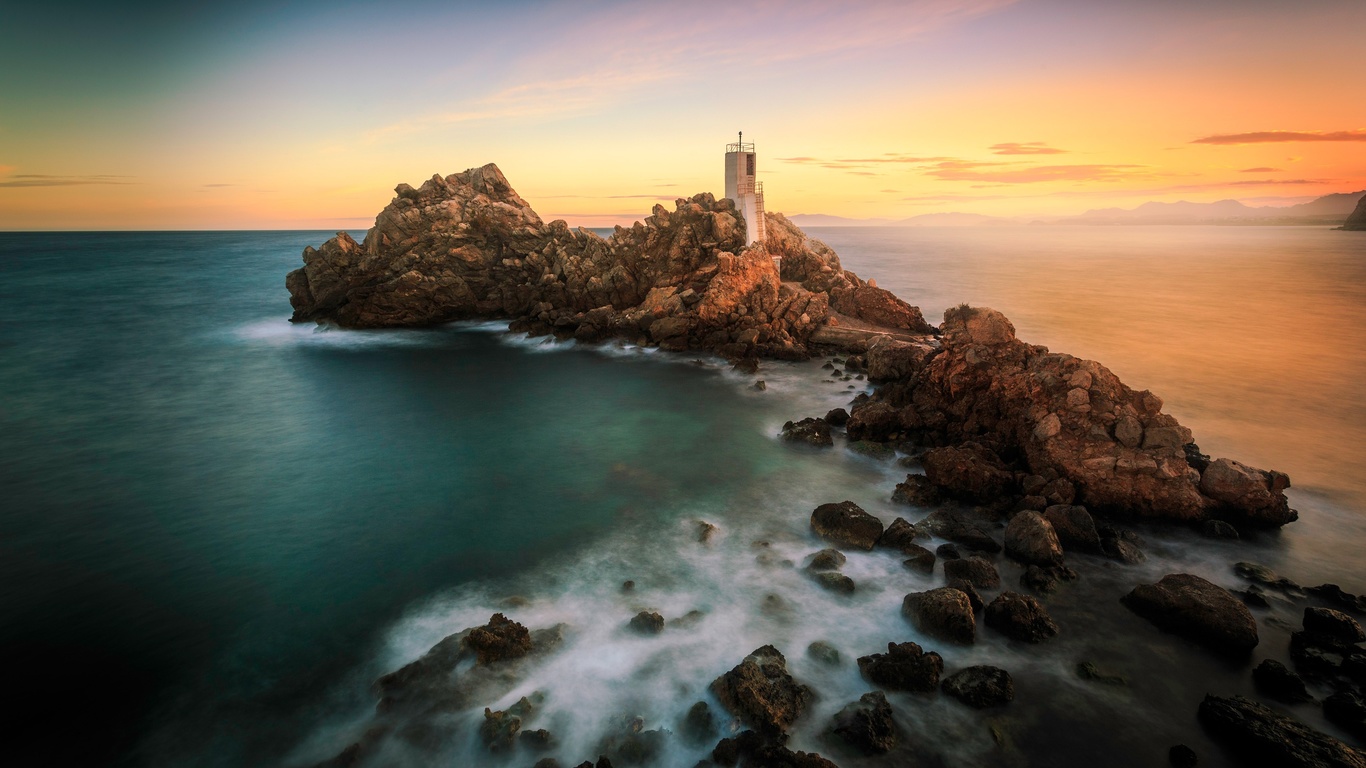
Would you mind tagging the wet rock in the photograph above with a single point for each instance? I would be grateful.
(875, 421)
(499, 640)
(698, 726)
(748, 365)
(970, 472)
(1260, 574)
(761, 693)
(872, 450)
(826, 560)
(628, 585)
(1182, 756)
(633, 745)
(974, 599)
(1087, 670)
(1253, 596)
(538, 740)
(1348, 712)
(761, 385)
(550, 762)
(1020, 617)
(904, 667)
(1074, 527)
(1267, 738)
(921, 560)
(835, 581)
(975, 570)
(1273, 679)
(811, 431)
(754, 750)
(837, 417)
(824, 652)
(1045, 581)
(981, 686)
(958, 528)
(866, 725)
(1335, 595)
(1321, 653)
(1115, 546)
(1029, 538)
(1255, 496)
(1197, 610)
(901, 536)
(846, 523)
(947, 552)
(1334, 624)
(943, 613)
(499, 729)
(647, 623)
(1218, 529)
(917, 491)
(705, 531)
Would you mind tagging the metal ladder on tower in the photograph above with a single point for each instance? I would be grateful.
(760, 230)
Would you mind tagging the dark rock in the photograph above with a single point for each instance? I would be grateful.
(835, 581)
(1344, 600)
(538, 740)
(499, 640)
(761, 385)
(647, 623)
(1074, 526)
(1218, 529)
(826, 560)
(971, 472)
(1356, 221)
(1260, 574)
(1273, 679)
(1254, 496)
(947, 552)
(1115, 546)
(1182, 756)
(1253, 596)
(901, 535)
(917, 491)
(1197, 610)
(1267, 738)
(866, 725)
(875, 421)
(499, 729)
(981, 686)
(1030, 539)
(815, 432)
(748, 365)
(754, 750)
(705, 531)
(1335, 624)
(1045, 581)
(837, 417)
(872, 450)
(1346, 711)
(550, 762)
(698, 726)
(904, 667)
(954, 526)
(921, 560)
(628, 585)
(824, 652)
(1087, 670)
(943, 613)
(974, 598)
(975, 570)
(761, 693)
(846, 523)
(1020, 617)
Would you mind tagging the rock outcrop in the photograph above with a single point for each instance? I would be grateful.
(1357, 221)
(1265, 737)
(1197, 610)
(761, 693)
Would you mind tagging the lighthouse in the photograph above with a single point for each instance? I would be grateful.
(743, 190)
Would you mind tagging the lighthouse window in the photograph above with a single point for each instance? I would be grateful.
(749, 165)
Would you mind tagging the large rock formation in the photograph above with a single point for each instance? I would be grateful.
(468, 246)
(1069, 428)
(1357, 221)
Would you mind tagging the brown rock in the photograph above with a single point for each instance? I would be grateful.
(846, 523)
(1074, 526)
(970, 472)
(1197, 610)
(904, 667)
(761, 693)
(975, 570)
(1020, 617)
(943, 613)
(499, 640)
(1030, 539)
(1267, 738)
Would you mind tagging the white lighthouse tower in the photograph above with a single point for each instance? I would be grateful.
(743, 190)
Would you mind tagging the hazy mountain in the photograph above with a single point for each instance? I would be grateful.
(924, 220)
(1329, 209)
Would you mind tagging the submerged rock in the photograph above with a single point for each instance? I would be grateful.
(761, 693)
(867, 725)
(754, 750)
(957, 527)
(826, 560)
(1020, 617)
(1189, 606)
(1272, 678)
(901, 535)
(981, 686)
(647, 623)
(1265, 737)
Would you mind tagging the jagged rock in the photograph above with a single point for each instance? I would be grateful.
(761, 693)
(947, 552)
(499, 729)
(1260, 574)
(824, 652)
(904, 667)
(971, 472)
(1335, 595)
(1334, 624)
(1074, 526)
(1256, 496)
(538, 740)
(867, 725)
(1030, 539)
(1020, 617)
(954, 526)
(811, 431)
(974, 598)
(1045, 580)
(943, 613)
(1275, 680)
(1114, 545)
(976, 571)
(872, 450)
(705, 531)
(1197, 610)
(826, 560)
(890, 360)
(754, 750)
(1265, 737)
(981, 686)
(500, 639)
(917, 491)
(647, 623)
(846, 523)
(920, 560)
(873, 421)
(901, 536)
(698, 726)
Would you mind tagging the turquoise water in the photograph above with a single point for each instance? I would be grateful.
(218, 528)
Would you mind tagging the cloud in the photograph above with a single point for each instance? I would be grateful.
(1027, 148)
(50, 180)
(843, 163)
(1264, 137)
(1262, 169)
(215, 186)
(890, 191)
(970, 171)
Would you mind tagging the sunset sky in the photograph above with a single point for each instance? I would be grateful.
(272, 115)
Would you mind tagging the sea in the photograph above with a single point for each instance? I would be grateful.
(218, 528)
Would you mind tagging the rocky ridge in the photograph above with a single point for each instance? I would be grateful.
(1356, 222)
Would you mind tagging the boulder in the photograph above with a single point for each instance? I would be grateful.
(847, 524)
(760, 692)
(1267, 738)
(837, 417)
(1273, 679)
(811, 431)
(751, 749)
(1029, 538)
(944, 614)
(1020, 617)
(499, 640)
(1254, 496)
(901, 536)
(970, 472)
(974, 598)
(1334, 624)
(867, 725)
(921, 560)
(835, 581)
(981, 686)
(904, 667)
(1074, 526)
(647, 623)
(826, 560)
(1194, 608)
(976, 571)
(917, 491)
(956, 527)
(499, 729)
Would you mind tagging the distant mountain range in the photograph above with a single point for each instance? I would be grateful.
(1330, 209)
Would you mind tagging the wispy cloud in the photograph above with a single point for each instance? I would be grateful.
(1264, 137)
(52, 180)
(970, 171)
(1026, 148)
(216, 186)
(1262, 169)
(842, 163)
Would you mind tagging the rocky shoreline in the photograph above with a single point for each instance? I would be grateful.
(1020, 450)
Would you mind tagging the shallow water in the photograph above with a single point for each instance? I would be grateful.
(220, 528)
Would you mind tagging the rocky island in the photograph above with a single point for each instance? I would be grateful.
(1052, 448)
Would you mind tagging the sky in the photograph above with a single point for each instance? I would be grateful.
(270, 115)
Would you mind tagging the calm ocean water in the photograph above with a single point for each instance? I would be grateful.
(218, 528)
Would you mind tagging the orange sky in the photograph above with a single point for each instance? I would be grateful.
(595, 111)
